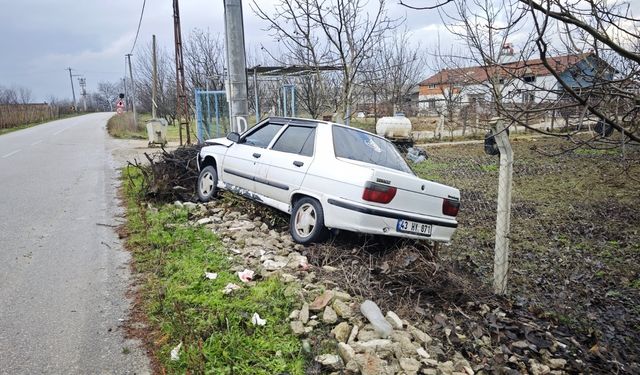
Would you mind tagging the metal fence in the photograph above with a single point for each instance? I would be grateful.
(212, 114)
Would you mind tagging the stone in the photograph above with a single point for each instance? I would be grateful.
(419, 336)
(383, 345)
(304, 313)
(341, 332)
(297, 327)
(352, 367)
(331, 361)
(369, 364)
(205, 220)
(294, 315)
(342, 309)
(329, 316)
(422, 353)
(394, 320)
(538, 368)
(190, 206)
(367, 333)
(446, 368)
(557, 363)
(178, 204)
(306, 346)
(346, 352)
(271, 265)
(409, 365)
(406, 346)
(313, 323)
(342, 296)
(264, 228)
(353, 334)
(429, 371)
(287, 278)
(329, 269)
(520, 344)
(321, 301)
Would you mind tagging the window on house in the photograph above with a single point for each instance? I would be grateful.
(432, 86)
(529, 79)
(501, 81)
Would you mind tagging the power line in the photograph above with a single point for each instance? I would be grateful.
(139, 23)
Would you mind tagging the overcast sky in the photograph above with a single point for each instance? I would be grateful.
(41, 38)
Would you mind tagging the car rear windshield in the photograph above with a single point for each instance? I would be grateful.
(357, 145)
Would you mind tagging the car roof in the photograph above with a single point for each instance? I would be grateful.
(310, 121)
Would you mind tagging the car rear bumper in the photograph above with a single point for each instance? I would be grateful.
(358, 217)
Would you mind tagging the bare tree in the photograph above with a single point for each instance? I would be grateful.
(107, 95)
(338, 32)
(166, 99)
(205, 60)
(591, 49)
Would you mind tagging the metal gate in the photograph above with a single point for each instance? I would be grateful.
(212, 114)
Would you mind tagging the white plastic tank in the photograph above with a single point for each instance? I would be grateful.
(157, 131)
(394, 127)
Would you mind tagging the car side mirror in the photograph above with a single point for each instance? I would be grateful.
(233, 137)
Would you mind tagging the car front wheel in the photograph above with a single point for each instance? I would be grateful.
(307, 221)
(207, 182)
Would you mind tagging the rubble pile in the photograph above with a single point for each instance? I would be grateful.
(344, 334)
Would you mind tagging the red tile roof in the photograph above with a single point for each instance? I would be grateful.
(477, 74)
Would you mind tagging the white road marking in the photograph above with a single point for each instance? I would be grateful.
(11, 153)
(60, 131)
(36, 142)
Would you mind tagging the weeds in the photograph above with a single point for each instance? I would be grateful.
(184, 307)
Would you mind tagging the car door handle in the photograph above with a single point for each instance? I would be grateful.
(298, 163)
(256, 155)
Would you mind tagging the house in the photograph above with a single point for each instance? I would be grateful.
(518, 81)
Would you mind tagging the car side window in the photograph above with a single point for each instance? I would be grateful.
(263, 136)
(296, 140)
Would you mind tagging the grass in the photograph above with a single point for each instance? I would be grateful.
(171, 257)
(573, 228)
(30, 125)
(122, 126)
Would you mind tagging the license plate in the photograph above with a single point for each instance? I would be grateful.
(407, 226)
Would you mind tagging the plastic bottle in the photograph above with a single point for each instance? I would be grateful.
(372, 312)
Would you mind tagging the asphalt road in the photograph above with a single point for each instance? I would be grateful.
(63, 272)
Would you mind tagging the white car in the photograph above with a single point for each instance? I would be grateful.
(328, 176)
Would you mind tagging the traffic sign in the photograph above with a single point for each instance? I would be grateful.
(119, 110)
(120, 104)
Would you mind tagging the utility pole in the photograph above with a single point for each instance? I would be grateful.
(154, 88)
(182, 108)
(133, 91)
(236, 63)
(83, 92)
(124, 90)
(73, 91)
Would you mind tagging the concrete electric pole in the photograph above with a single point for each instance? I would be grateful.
(83, 92)
(133, 91)
(154, 88)
(73, 91)
(236, 61)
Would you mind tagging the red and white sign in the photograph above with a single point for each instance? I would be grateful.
(120, 104)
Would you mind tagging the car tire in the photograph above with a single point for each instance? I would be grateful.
(307, 222)
(207, 183)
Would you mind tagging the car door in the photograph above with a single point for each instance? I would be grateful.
(286, 162)
(242, 160)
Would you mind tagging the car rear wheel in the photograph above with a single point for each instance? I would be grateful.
(307, 221)
(207, 182)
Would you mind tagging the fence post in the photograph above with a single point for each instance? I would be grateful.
(503, 219)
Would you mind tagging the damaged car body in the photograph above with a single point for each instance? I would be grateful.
(328, 176)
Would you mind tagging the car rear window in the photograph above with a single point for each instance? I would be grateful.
(357, 145)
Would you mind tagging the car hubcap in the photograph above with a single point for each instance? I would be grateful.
(305, 220)
(206, 183)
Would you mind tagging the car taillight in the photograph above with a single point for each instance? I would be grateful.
(450, 207)
(378, 193)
